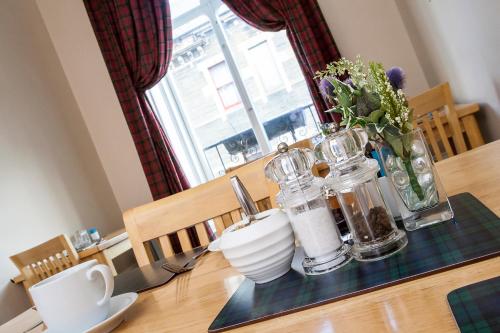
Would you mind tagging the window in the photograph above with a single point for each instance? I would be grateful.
(224, 84)
(265, 66)
(231, 93)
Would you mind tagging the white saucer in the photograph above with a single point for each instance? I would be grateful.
(119, 305)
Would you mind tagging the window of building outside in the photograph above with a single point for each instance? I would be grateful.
(232, 93)
(224, 84)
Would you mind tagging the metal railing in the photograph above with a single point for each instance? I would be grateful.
(242, 147)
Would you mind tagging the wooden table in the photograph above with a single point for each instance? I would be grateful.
(191, 301)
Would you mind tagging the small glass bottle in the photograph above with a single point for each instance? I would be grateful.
(301, 196)
(94, 235)
(353, 179)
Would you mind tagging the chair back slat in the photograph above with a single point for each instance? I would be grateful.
(452, 116)
(431, 139)
(46, 259)
(166, 246)
(201, 231)
(213, 201)
(58, 263)
(65, 260)
(49, 267)
(184, 240)
(227, 219)
(436, 117)
(219, 224)
(236, 215)
(263, 205)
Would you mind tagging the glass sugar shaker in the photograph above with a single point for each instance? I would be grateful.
(301, 196)
(353, 179)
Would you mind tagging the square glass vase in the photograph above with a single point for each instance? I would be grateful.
(418, 192)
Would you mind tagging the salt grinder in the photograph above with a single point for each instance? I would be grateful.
(301, 196)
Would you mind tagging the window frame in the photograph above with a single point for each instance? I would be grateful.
(210, 9)
(197, 157)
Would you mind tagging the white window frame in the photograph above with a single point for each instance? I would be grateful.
(187, 140)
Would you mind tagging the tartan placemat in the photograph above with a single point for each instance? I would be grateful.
(473, 235)
(476, 307)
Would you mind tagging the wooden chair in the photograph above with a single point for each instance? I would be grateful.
(45, 260)
(213, 200)
(191, 208)
(436, 114)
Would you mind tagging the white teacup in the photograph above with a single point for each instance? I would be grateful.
(75, 299)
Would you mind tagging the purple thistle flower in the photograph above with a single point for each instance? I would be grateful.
(349, 82)
(396, 77)
(327, 88)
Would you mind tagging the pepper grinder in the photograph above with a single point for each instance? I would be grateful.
(353, 179)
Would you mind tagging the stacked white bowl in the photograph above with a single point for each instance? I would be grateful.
(263, 250)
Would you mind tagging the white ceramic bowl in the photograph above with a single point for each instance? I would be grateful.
(262, 251)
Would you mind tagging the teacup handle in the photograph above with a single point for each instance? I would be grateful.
(108, 281)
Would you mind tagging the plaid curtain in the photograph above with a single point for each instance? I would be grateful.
(307, 31)
(135, 37)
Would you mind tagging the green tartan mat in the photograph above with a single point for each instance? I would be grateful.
(473, 235)
(476, 307)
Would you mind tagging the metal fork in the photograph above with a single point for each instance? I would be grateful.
(177, 269)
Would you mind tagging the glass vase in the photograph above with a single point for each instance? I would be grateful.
(421, 198)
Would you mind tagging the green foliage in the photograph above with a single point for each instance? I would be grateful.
(367, 102)
(393, 103)
(373, 103)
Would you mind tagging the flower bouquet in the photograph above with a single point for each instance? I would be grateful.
(373, 99)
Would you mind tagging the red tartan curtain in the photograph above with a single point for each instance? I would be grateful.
(307, 31)
(135, 37)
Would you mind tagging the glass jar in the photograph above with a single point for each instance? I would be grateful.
(353, 179)
(301, 196)
(81, 240)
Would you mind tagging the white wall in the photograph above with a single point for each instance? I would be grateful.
(76, 46)
(459, 41)
(51, 180)
(374, 29)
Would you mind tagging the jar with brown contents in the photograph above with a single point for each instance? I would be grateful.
(353, 179)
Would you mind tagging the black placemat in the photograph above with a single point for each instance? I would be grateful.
(473, 235)
(150, 276)
(476, 307)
